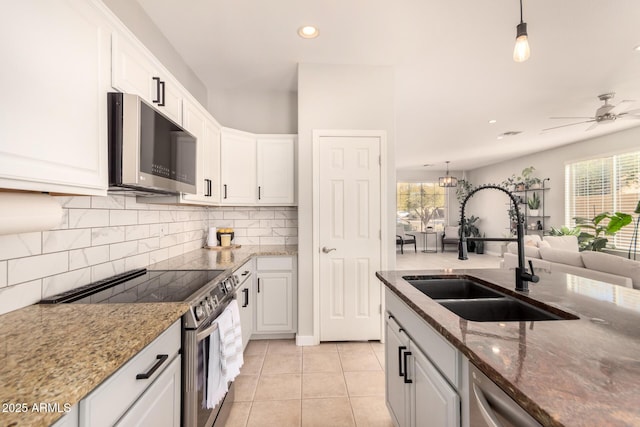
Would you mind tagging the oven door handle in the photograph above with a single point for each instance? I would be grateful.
(203, 334)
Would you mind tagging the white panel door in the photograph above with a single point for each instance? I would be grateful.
(349, 235)
(276, 170)
(238, 167)
(53, 114)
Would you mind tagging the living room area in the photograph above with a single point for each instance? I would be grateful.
(579, 204)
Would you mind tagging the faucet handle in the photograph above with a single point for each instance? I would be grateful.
(533, 278)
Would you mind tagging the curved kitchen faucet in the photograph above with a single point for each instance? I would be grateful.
(523, 277)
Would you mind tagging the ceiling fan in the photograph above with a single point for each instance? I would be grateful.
(607, 113)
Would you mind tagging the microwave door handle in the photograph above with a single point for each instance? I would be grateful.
(157, 100)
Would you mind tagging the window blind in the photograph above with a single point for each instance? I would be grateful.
(608, 184)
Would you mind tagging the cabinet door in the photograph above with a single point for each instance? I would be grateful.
(276, 170)
(238, 165)
(53, 115)
(274, 310)
(396, 391)
(135, 71)
(433, 402)
(160, 404)
(247, 303)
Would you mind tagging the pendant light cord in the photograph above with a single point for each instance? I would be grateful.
(521, 20)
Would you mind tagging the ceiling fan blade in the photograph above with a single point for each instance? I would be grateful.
(570, 124)
(593, 126)
(630, 112)
(630, 116)
(565, 118)
(622, 107)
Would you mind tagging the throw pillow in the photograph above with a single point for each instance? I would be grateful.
(562, 256)
(532, 238)
(613, 264)
(543, 244)
(530, 251)
(568, 243)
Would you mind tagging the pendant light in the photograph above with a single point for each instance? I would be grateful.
(448, 181)
(521, 51)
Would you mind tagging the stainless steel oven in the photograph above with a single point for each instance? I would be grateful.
(208, 293)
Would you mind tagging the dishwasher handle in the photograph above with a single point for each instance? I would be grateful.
(485, 408)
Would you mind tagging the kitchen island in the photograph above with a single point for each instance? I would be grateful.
(562, 372)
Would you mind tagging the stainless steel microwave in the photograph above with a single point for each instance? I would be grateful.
(148, 152)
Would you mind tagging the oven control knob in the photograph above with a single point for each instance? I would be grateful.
(207, 302)
(200, 312)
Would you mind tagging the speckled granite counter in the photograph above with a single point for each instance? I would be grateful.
(583, 372)
(57, 354)
(209, 259)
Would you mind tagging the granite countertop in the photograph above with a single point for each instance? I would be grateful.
(583, 372)
(221, 259)
(58, 354)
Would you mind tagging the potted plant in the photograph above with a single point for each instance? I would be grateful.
(534, 204)
(470, 229)
(529, 180)
(509, 184)
(594, 240)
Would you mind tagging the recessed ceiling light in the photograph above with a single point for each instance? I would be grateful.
(308, 32)
(427, 165)
(492, 121)
(509, 133)
(637, 48)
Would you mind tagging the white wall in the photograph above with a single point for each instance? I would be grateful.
(135, 18)
(491, 206)
(257, 112)
(338, 97)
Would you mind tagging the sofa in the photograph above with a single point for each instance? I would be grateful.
(561, 254)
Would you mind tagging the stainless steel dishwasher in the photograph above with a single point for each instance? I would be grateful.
(490, 406)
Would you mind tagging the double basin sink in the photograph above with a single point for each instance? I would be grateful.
(477, 302)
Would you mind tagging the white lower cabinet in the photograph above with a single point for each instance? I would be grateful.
(246, 301)
(160, 403)
(418, 392)
(70, 419)
(145, 391)
(276, 295)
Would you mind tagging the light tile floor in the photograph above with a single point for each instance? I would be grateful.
(329, 385)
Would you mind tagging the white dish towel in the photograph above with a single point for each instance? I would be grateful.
(217, 385)
(230, 341)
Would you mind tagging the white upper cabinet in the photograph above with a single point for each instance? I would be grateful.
(53, 114)
(257, 169)
(276, 170)
(198, 122)
(136, 71)
(238, 165)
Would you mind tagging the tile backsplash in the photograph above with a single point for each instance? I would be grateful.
(102, 236)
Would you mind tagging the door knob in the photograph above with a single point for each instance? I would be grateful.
(327, 250)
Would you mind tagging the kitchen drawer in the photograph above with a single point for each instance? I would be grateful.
(111, 399)
(275, 263)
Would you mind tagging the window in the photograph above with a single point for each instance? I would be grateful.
(609, 184)
(420, 205)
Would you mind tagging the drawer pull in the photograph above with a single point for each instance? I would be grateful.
(400, 350)
(161, 359)
(406, 369)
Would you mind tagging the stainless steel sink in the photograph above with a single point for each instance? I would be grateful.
(479, 303)
(454, 288)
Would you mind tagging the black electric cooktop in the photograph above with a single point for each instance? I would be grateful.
(139, 286)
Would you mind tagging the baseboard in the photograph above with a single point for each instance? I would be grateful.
(304, 340)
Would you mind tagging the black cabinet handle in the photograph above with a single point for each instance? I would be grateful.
(246, 297)
(157, 100)
(161, 359)
(208, 190)
(245, 273)
(225, 190)
(258, 285)
(161, 104)
(259, 192)
(400, 349)
(406, 379)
